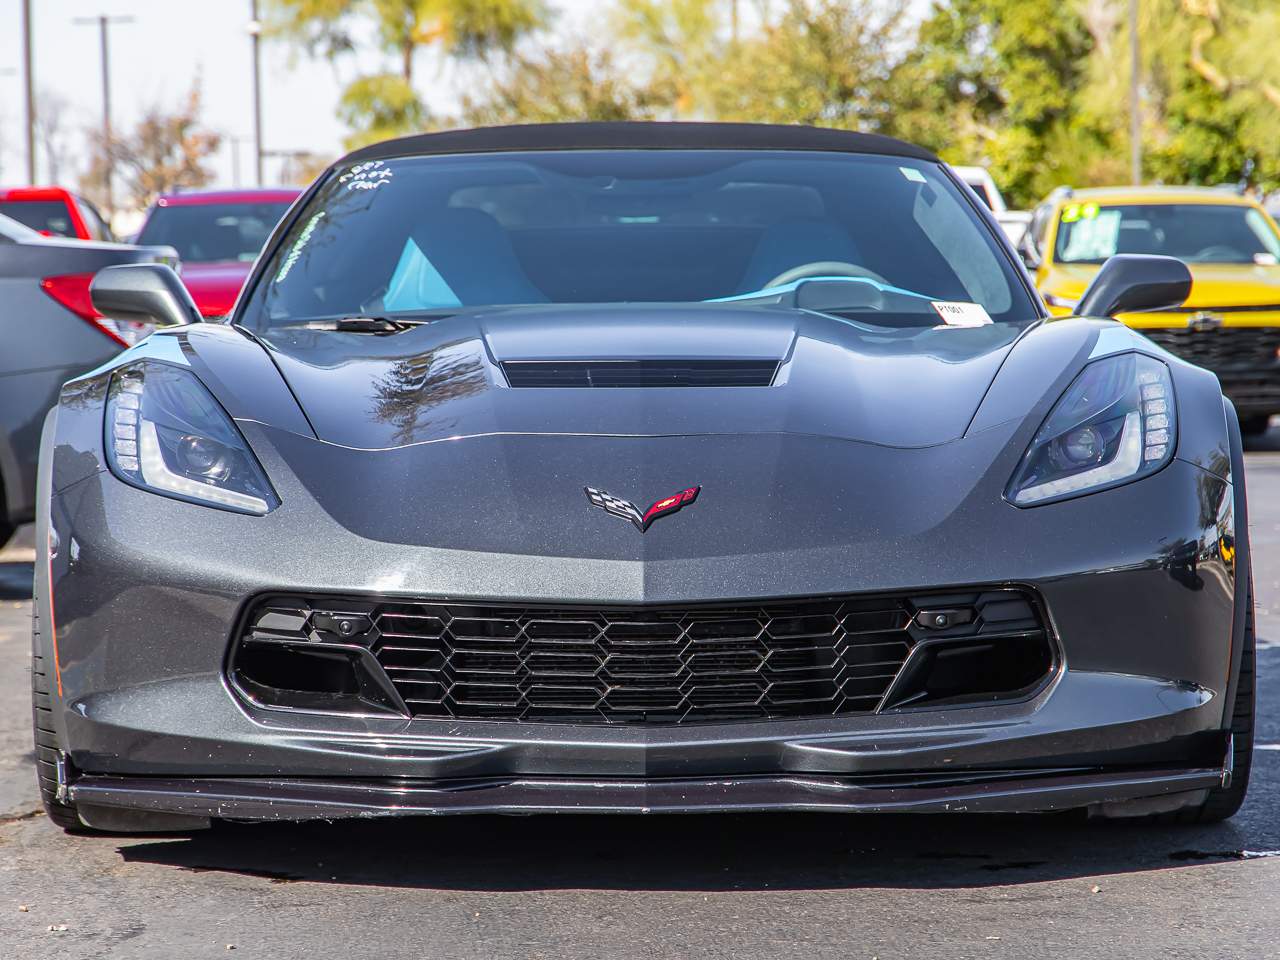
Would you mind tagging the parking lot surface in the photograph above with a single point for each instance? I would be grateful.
(769, 886)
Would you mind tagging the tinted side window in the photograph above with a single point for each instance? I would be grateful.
(47, 216)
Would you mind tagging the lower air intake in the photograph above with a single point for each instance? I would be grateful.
(670, 665)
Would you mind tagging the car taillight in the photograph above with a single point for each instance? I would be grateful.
(72, 291)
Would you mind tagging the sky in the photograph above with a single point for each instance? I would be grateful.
(157, 56)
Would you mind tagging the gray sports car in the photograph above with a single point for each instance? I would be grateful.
(640, 467)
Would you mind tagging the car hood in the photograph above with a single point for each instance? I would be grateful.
(836, 378)
(215, 286)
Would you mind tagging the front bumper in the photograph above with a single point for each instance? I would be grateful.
(1138, 591)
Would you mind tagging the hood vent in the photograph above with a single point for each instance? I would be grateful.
(640, 373)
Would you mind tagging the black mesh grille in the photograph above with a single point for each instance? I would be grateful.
(634, 665)
(1222, 348)
(640, 373)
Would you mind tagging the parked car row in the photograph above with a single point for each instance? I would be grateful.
(217, 235)
(55, 212)
(52, 244)
(1229, 324)
(51, 333)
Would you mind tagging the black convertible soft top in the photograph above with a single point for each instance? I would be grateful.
(639, 136)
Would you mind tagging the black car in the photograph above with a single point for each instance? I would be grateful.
(641, 467)
(51, 333)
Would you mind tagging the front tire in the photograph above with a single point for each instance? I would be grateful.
(47, 749)
(1225, 802)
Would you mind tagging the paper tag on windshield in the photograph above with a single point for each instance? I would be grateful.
(955, 313)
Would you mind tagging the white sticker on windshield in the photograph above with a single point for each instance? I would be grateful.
(912, 174)
(955, 313)
(366, 176)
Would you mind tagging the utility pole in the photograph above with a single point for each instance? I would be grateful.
(103, 22)
(255, 36)
(28, 75)
(1135, 105)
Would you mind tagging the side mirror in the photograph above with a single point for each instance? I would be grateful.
(1026, 248)
(1133, 282)
(143, 293)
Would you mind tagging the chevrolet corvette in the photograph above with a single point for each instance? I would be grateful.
(640, 468)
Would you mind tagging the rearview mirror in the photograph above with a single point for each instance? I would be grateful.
(144, 293)
(1133, 282)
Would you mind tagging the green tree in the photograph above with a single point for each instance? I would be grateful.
(387, 103)
(682, 43)
(556, 85)
(1211, 92)
(996, 80)
(166, 151)
(823, 62)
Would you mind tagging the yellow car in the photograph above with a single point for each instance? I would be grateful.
(1230, 323)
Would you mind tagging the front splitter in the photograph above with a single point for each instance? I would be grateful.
(308, 799)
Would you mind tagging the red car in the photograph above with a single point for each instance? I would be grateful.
(218, 234)
(54, 212)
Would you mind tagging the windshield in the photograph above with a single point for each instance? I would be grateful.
(213, 232)
(1192, 232)
(451, 233)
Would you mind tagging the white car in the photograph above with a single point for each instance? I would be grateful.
(1013, 222)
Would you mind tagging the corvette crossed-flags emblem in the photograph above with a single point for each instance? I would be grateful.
(617, 507)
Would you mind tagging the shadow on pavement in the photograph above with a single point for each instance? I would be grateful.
(706, 853)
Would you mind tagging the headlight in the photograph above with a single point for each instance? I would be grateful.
(166, 433)
(1115, 423)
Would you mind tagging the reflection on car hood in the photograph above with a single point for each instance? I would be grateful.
(904, 388)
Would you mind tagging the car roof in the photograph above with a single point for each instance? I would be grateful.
(638, 136)
(1158, 194)
(202, 197)
(36, 193)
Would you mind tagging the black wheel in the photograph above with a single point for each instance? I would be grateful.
(1255, 426)
(6, 531)
(1224, 802)
(63, 814)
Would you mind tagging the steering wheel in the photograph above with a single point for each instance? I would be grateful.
(1219, 251)
(824, 268)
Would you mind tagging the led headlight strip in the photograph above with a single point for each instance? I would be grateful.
(183, 407)
(1120, 406)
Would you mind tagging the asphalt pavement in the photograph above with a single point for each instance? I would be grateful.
(772, 886)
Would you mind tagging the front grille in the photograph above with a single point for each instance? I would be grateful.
(638, 665)
(640, 373)
(1221, 348)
